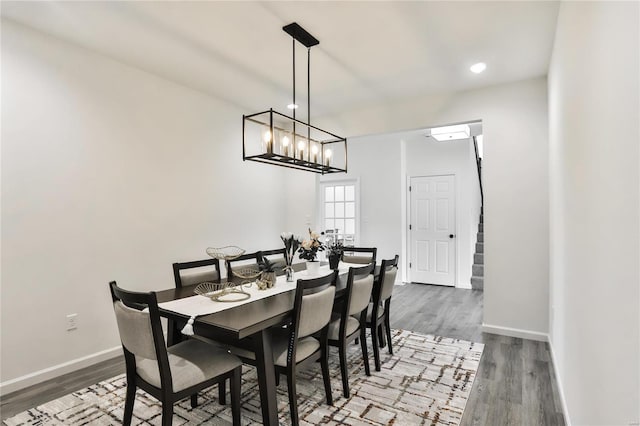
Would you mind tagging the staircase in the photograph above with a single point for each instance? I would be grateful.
(477, 274)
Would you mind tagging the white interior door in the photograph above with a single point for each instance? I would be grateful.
(432, 230)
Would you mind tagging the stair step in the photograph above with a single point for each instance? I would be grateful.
(481, 237)
(477, 270)
(479, 247)
(478, 258)
(481, 227)
(477, 283)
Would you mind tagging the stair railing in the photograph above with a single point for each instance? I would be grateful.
(479, 166)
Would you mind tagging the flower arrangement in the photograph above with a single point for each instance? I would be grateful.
(309, 248)
(334, 253)
(291, 244)
(335, 249)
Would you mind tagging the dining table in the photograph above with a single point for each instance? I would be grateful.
(246, 324)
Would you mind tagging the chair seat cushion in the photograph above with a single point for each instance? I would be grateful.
(306, 347)
(191, 362)
(280, 344)
(334, 327)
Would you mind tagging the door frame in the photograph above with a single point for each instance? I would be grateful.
(408, 220)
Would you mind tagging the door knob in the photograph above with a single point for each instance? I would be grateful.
(451, 235)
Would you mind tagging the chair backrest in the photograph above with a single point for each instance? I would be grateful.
(247, 260)
(196, 272)
(313, 304)
(386, 279)
(361, 255)
(140, 329)
(277, 257)
(358, 292)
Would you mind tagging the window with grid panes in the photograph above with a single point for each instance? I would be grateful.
(339, 211)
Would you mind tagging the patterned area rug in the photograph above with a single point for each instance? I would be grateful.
(426, 382)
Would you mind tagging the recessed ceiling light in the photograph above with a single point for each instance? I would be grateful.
(292, 106)
(478, 68)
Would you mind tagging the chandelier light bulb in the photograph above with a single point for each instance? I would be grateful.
(267, 136)
(285, 141)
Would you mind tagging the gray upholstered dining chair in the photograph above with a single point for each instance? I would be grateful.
(361, 255)
(349, 323)
(168, 374)
(196, 272)
(379, 310)
(192, 273)
(304, 341)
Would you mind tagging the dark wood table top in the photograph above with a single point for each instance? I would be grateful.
(241, 321)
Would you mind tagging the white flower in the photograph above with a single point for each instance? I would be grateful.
(286, 235)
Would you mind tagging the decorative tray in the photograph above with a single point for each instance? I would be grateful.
(225, 253)
(222, 292)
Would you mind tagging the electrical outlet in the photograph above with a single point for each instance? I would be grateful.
(72, 322)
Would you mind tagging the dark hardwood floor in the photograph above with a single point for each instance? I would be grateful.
(515, 384)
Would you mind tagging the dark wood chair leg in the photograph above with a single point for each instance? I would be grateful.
(388, 327)
(324, 364)
(194, 400)
(376, 349)
(129, 400)
(167, 413)
(381, 335)
(222, 392)
(277, 379)
(365, 352)
(293, 396)
(343, 369)
(236, 382)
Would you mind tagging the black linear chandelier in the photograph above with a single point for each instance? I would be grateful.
(275, 138)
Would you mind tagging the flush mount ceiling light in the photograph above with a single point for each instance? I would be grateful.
(478, 68)
(450, 133)
(274, 138)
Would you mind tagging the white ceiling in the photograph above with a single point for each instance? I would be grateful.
(368, 52)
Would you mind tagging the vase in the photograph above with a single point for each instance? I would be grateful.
(334, 260)
(288, 272)
(269, 278)
(313, 267)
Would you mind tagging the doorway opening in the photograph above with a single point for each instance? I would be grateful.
(444, 232)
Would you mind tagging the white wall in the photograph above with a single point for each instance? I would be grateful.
(375, 161)
(594, 188)
(514, 119)
(110, 173)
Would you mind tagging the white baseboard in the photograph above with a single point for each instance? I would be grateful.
(465, 286)
(30, 379)
(563, 401)
(515, 332)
